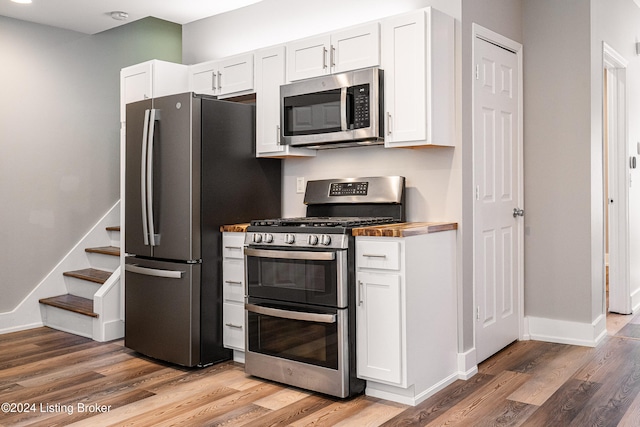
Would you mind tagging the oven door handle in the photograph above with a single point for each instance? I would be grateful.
(303, 255)
(291, 315)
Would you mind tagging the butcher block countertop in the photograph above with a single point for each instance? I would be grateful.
(234, 228)
(404, 229)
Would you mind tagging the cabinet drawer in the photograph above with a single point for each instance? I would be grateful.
(232, 245)
(384, 255)
(233, 325)
(233, 280)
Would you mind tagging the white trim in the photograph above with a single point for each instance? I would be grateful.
(405, 395)
(620, 300)
(467, 365)
(499, 40)
(567, 332)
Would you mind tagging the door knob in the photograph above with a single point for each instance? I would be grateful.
(518, 212)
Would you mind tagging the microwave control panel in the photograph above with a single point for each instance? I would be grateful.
(360, 106)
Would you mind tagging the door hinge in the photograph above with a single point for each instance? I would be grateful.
(478, 313)
(477, 72)
(477, 192)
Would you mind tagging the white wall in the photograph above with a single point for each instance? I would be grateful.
(617, 22)
(433, 175)
(59, 133)
(272, 22)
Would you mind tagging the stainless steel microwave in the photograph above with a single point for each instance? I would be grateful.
(338, 110)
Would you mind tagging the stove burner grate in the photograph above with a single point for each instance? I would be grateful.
(323, 221)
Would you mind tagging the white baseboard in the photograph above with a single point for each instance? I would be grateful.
(567, 332)
(467, 365)
(27, 314)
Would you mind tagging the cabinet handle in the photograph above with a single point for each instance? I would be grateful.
(213, 81)
(233, 282)
(359, 292)
(324, 57)
(235, 248)
(333, 56)
(219, 81)
(278, 134)
(389, 123)
(374, 255)
(231, 325)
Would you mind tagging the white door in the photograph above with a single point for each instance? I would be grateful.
(498, 224)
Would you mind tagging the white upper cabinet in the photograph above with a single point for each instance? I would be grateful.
(228, 76)
(151, 79)
(419, 76)
(269, 75)
(350, 49)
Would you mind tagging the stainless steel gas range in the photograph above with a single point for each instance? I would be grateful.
(300, 284)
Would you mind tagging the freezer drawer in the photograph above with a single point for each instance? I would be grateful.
(162, 310)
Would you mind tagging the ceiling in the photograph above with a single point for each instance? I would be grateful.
(93, 16)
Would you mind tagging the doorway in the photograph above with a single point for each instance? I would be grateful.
(617, 293)
(498, 180)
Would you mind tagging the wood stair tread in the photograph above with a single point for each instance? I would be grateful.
(72, 303)
(105, 250)
(90, 274)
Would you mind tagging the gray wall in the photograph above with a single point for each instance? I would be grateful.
(59, 133)
(558, 160)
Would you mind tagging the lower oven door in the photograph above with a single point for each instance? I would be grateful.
(298, 345)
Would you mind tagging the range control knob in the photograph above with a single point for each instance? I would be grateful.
(257, 238)
(268, 238)
(289, 239)
(325, 240)
(313, 239)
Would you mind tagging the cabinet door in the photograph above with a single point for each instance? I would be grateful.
(403, 60)
(269, 75)
(203, 78)
(379, 327)
(308, 58)
(136, 84)
(355, 48)
(235, 74)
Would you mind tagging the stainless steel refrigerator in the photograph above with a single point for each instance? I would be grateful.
(190, 168)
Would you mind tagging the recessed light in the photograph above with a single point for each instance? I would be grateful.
(119, 16)
(22, 1)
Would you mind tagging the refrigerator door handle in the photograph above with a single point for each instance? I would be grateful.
(168, 274)
(143, 179)
(149, 178)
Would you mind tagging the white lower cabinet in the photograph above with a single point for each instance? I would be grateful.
(233, 327)
(406, 333)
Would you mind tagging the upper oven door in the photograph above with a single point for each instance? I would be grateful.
(297, 275)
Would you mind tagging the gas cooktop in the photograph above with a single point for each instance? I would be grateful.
(323, 221)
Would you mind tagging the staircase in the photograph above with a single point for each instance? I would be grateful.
(91, 306)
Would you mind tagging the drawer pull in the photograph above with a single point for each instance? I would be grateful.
(374, 256)
(231, 325)
(233, 282)
(235, 248)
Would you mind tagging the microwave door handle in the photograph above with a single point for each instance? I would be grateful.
(343, 109)
(143, 179)
(291, 315)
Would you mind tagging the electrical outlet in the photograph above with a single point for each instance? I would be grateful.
(300, 185)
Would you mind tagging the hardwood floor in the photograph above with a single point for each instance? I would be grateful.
(51, 378)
